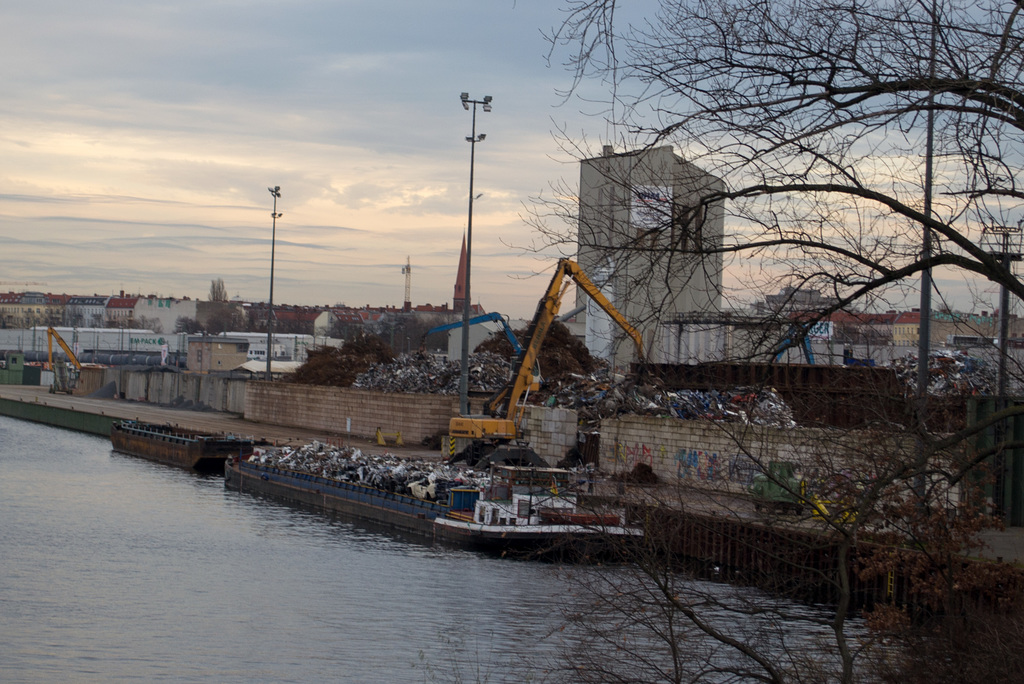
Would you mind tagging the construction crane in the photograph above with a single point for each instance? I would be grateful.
(64, 379)
(502, 422)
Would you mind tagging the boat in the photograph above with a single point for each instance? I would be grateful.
(174, 446)
(526, 510)
(523, 510)
(351, 499)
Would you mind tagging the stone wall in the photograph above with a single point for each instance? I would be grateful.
(550, 431)
(344, 410)
(699, 451)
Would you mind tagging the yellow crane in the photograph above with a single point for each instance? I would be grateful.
(502, 422)
(64, 379)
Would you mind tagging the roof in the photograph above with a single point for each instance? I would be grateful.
(282, 367)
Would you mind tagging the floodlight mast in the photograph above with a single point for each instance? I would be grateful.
(276, 192)
(473, 139)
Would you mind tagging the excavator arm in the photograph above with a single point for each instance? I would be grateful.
(503, 410)
(51, 335)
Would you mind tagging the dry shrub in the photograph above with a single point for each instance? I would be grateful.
(339, 366)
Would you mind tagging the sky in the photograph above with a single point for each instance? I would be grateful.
(138, 140)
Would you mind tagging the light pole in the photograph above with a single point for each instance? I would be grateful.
(473, 139)
(276, 192)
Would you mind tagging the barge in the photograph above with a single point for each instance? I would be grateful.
(351, 499)
(174, 446)
(523, 511)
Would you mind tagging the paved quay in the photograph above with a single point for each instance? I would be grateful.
(202, 421)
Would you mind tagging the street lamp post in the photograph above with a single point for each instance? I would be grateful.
(473, 139)
(276, 192)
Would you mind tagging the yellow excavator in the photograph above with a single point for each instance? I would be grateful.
(503, 412)
(64, 378)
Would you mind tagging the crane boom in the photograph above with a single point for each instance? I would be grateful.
(492, 317)
(63, 379)
(503, 411)
(51, 335)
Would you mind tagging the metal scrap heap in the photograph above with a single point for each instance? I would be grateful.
(422, 479)
(594, 395)
(425, 374)
(598, 396)
(950, 373)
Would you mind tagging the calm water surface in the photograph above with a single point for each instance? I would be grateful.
(116, 569)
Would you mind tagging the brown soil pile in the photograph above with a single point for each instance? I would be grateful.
(339, 366)
(560, 355)
(641, 474)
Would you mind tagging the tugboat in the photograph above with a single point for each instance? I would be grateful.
(527, 511)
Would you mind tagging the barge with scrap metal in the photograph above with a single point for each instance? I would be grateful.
(523, 511)
(178, 447)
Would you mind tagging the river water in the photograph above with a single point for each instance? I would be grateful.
(116, 569)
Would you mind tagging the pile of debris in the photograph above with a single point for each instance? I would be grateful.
(339, 366)
(600, 395)
(426, 374)
(562, 352)
(422, 479)
(950, 373)
(596, 395)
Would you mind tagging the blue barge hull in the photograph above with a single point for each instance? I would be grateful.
(351, 499)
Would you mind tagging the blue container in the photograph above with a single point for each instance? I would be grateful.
(463, 499)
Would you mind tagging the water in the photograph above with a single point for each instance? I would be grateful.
(116, 569)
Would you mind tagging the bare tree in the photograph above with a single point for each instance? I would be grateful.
(813, 116)
(218, 292)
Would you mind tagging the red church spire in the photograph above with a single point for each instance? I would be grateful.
(459, 300)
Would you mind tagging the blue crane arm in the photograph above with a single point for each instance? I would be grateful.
(493, 317)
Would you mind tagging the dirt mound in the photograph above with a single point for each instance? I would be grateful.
(561, 354)
(339, 366)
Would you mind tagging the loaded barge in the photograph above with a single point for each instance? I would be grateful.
(174, 446)
(524, 510)
(352, 499)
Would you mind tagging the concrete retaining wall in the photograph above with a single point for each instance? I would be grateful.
(344, 410)
(60, 417)
(699, 451)
(550, 431)
(220, 394)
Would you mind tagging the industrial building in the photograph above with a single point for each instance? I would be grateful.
(647, 241)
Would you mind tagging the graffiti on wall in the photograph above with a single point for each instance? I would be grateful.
(688, 464)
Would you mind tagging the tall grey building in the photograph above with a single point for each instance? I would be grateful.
(647, 240)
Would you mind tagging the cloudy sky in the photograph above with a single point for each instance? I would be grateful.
(138, 140)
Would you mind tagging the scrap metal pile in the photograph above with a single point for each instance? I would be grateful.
(594, 395)
(950, 373)
(422, 479)
(426, 374)
(598, 396)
